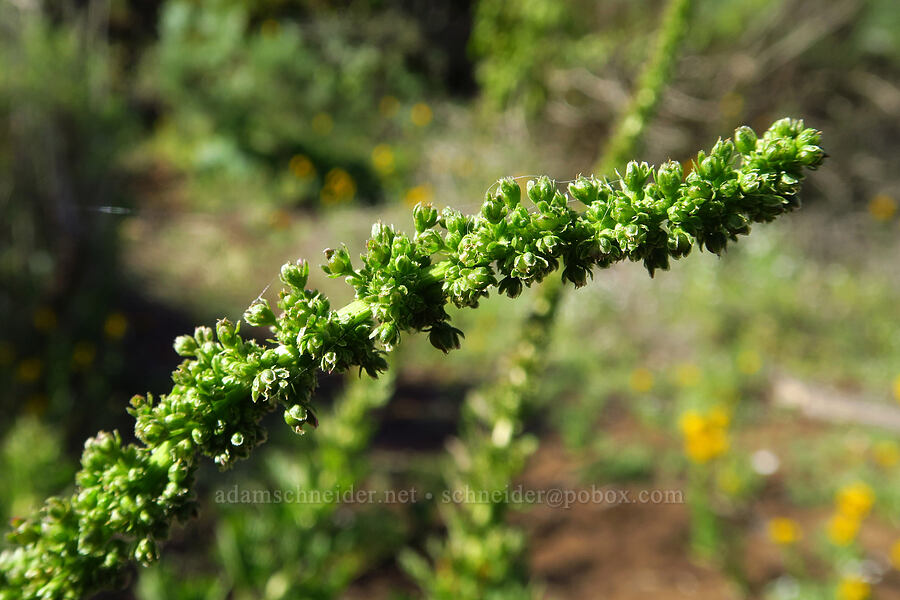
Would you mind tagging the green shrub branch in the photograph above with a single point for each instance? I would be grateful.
(127, 495)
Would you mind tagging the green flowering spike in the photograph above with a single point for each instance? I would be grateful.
(127, 496)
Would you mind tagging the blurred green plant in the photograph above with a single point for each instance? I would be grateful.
(33, 465)
(64, 131)
(289, 111)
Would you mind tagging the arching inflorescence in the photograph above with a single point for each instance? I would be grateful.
(128, 494)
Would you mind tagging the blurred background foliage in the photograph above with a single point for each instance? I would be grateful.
(159, 160)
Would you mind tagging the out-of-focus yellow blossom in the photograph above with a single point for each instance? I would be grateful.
(322, 123)
(705, 436)
(749, 362)
(640, 380)
(270, 28)
(882, 207)
(855, 500)
(886, 453)
(29, 370)
(301, 167)
(44, 319)
(7, 354)
(83, 354)
(383, 159)
(420, 193)
(115, 326)
(339, 187)
(842, 529)
(897, 388)
(784, 531)
(895, 555)
(421, 114)
(687, 375)
(388, 106)
(853, 588)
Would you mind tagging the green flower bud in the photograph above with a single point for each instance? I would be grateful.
(338, 262)
(493, 211)
(227, 333)
(429, 242)
(444, 337)
(511, 286)
(454, 221)
(259, 314)
(237, 439)
(295, 275)
(510, 192)
(745, 139)
(146, 552)
(679, 242)
(669, 177)
(541, 190)
(636, 175)
(199, 436)
(425, 217)
(185, 345)
(585, 190)
(295, 417)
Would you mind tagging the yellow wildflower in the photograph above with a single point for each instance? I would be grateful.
(853, 588)
(895, 555)
(842, 529)
(784, 531)
(29, 370)
(421, 114)
(420, 193)
(705, 436)
(301, 167)
(641, 380)
(897, 388)
(339, 187)
(855, 500)
(115, 326)
(383, 159)
(83, 354)
(882, 207)
(44, 319)
(886, 453)
(322, 123)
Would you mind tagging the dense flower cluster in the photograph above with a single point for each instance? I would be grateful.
(128, 494)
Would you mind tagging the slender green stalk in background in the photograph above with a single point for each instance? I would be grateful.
(482, 555)
(128, 495)
(626, 138)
